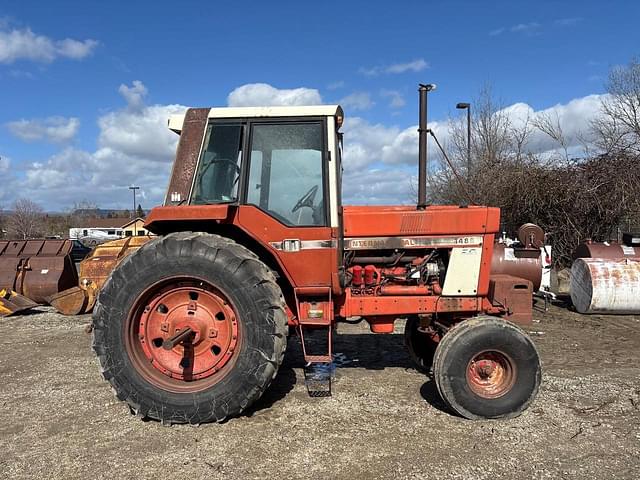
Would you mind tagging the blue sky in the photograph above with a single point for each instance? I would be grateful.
(74, 125)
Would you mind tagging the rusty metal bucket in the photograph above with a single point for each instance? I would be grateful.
(11, 303)
(37, 269)
(94, 271)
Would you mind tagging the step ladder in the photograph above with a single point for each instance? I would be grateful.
(315, 312)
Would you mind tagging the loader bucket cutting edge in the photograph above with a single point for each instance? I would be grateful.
(12, 303)
(72, 301)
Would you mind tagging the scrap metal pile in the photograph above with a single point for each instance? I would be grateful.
(41, 272)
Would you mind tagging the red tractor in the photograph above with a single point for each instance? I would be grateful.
(253, 240)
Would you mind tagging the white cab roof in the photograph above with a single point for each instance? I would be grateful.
(176, 121)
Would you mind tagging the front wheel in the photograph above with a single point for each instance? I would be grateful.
(486, 367)
(191, 328)
(420, 346)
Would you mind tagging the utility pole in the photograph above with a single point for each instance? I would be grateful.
(133, 212)
(467, 107)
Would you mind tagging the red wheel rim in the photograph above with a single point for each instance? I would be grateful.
(491, 374)
(168, 308)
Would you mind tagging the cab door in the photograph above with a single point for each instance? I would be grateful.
(285, 202)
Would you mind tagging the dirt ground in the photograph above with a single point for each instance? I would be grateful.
(59, 419)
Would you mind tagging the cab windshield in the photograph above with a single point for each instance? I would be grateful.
(218, 173)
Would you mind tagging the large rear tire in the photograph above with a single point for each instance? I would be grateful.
(235, 312)
(486, 367)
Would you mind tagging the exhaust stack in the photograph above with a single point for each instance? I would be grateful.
(422, 145)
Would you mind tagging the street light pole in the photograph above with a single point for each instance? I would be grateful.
(467, 107)
(134, 199)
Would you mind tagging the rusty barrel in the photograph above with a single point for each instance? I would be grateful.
(37, 269)
(602, 285)
(612, 250)
(517, 262)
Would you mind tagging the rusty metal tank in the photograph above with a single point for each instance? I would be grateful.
(612, 250)
(610, 286)
(517, 262)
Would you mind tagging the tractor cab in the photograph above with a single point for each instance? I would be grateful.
(283, 160)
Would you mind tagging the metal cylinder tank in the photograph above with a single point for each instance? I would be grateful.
(611, 250)
(606, 285)
(517, 263)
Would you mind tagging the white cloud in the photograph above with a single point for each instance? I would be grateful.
(396, 100)
(363, 142)
(134, 95)
(414, 66)
(134, 146)
(25, 45)
(336, 85)
(51, 129)
(529, 29)
(141, 133)
(367, 145)
(379, 187)
(357, 101)
(263, 94)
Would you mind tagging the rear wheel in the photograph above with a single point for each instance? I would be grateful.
(487, 368)
(190, 328)
(421, 346)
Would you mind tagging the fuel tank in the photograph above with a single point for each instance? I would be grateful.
(611, 250)
(521, 263)
(606, 285)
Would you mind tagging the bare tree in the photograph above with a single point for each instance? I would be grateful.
(617, 129)
(571, 199)
(549, 124)
(26, 219)
(495, 139)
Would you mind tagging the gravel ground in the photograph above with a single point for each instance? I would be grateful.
(59, 419)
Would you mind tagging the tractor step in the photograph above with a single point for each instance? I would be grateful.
(318, 358)
(317, 379)
(315, 321)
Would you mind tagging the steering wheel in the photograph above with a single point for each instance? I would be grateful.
(212, 162)
(306, 200)
(225, 160)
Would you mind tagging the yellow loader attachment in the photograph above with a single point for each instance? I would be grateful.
(93, 273)
(12, 302)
